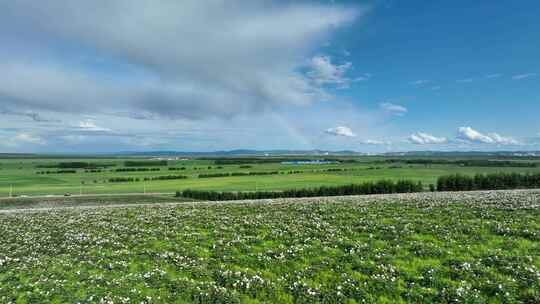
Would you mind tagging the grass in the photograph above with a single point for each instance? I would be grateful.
(21, 175)
(417, 248)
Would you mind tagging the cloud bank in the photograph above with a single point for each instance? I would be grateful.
(176, 59)
(393, 109)
(471, 135)
(324, 72)
(341, 131)
(421, 138)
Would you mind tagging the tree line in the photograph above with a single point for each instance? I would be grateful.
(123, 179)
(165, 177)
(380, 187)
(136, 169)
(137, 179)
(465, 162)
(226, 174)
(176, 168)
(76, 165)
(145, 163)
(456, 182)
(494, 181)
(57, 172)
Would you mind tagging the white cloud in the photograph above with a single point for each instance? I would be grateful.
(27, 138)
(375, 142)
(420, 82)
(523, 76)
(177, 59)
(341, 131)
(366, 76)
(426, 139)
(324, 72)
(466, 80)
(90, 125)
(471, 135)
(393, 109)
(496, 75)
(503, 140)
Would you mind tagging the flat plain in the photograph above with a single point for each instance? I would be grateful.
(20, 176)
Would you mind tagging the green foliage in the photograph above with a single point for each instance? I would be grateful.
(496, 181)
(77, 165)
(226, 174)
(467, 162)
(136, 169)
(380, 187)
(177, 169)
(145, 163)
(123, 179)
(57, 172)
(165, 177)
(21, 174)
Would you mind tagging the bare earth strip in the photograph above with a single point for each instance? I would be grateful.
(506, 199)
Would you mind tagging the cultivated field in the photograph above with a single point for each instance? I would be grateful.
(24, 175)
(469, 247)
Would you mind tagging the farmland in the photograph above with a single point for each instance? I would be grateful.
(47, 176)
(469, 247)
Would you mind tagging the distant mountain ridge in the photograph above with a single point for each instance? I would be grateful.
(316, 152)
(243, 152)
(270, 153)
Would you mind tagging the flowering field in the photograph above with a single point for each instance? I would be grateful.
(421, 248)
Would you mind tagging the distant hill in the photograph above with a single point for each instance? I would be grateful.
(269, 153)
(243, 152)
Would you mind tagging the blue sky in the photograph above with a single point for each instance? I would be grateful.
(468, 52)
(370, 76)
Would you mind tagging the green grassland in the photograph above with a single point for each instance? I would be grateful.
(20, 173)
(481, 247)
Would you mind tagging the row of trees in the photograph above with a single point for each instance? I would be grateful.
(493, 181)
(295, 172)
(380, 187)
(57, 172)
(123, 179)
(137, 179)
(176, 169)
(226, 174)
(466, 162)
(145, 163)
(212, 175)
(76, 165)
(456, 182)
(136, 169)
(165, 177)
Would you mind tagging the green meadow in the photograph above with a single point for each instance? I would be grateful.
(20, 175)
